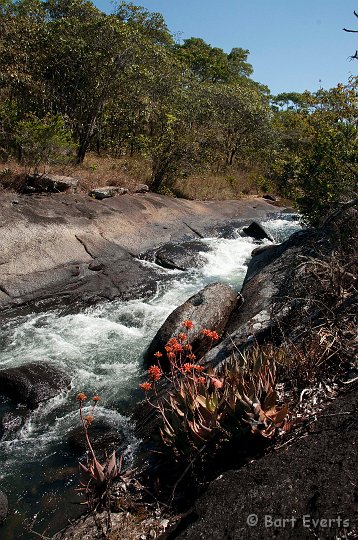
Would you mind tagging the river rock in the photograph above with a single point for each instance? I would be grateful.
(179, 256)
(49, 182)
(270, 280)
(33, 383)
(103, 436)
(4, 507)
(257, 232)
(106, 192)
(209, 308)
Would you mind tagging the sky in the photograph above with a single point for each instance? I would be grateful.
(294, 45)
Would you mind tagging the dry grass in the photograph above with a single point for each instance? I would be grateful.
(209, 186)
(96, 171)
(99, 171)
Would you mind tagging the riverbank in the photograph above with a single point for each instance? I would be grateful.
(60, 249)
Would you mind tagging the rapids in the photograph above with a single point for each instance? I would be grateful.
(101, 348)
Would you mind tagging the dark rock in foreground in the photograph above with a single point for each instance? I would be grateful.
(33, 383)
(4, 507)
(209, 308)
(315, 477)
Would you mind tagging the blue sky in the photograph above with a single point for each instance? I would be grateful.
(293, 44)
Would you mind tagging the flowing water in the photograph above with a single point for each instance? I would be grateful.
(101, 348)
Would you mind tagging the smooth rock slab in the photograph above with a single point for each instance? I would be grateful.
(33, 383)
(209, 308)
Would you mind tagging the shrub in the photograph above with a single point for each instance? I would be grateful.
(44, 141)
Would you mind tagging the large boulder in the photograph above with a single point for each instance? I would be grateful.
(179, 256)
(4, 507)
(209, 308)
(53, 183)
(33, 383)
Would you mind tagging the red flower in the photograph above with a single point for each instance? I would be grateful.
(200, 380)
(146, 386)
(158, 354)
(155, 373)
(198, 368)
(211, 334)
(182, 336)
(81, 397)
(177, 347)
(206, 332)
(191, 356)
(187, 367)
(89, 419)
(187, 324)
(96, 399)
(171, 356)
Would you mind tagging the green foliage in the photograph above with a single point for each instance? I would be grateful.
(44, 141)
(317, 152)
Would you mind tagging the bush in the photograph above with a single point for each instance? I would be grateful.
(44, 141)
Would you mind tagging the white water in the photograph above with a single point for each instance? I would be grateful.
(101, 348)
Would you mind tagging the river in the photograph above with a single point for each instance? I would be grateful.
(101, 348)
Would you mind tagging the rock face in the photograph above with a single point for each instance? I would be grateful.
(70, 250)
(179, 256)
(4, 507)
(269, 282)
(314, 477)
(107, 191)
(257, 232)
(54, 183)
(209, 308)
(33, 383)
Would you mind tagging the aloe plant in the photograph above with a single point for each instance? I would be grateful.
(203, 405)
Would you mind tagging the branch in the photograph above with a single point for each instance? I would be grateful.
(353, 31)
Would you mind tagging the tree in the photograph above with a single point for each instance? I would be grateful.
(355, 56)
